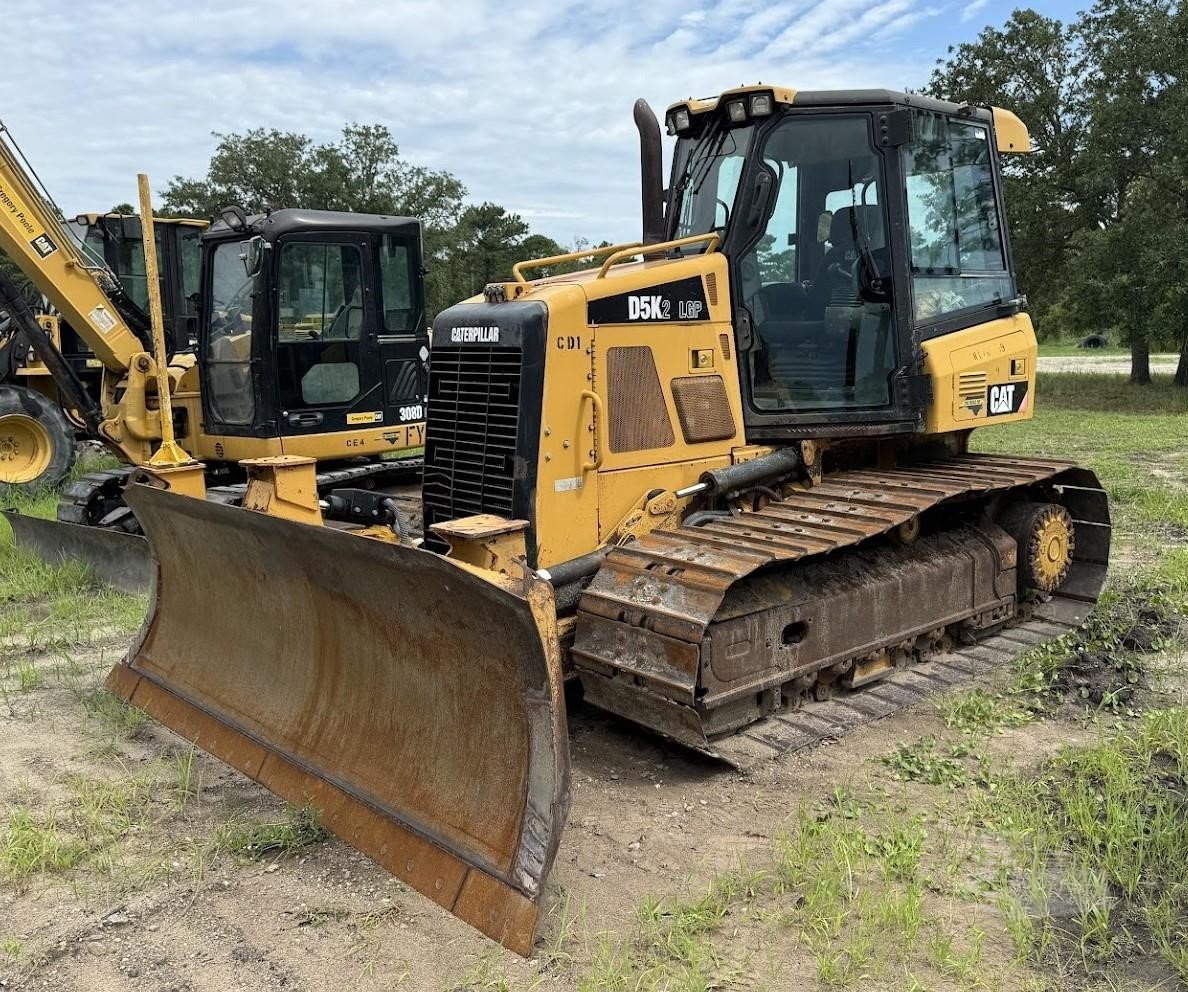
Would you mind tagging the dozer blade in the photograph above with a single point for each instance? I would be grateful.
(117, 559)
(415, 704)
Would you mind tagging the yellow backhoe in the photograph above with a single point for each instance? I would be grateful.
(722, 480)
(310, 342)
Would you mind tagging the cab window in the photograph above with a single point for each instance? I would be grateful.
(229, 337)
(320, 322)
(396, 286)
(958, 260)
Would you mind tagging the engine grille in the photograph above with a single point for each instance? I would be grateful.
(470, 444)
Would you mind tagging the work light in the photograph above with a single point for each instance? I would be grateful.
(760, 105)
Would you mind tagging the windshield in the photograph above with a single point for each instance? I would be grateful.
(706, 173)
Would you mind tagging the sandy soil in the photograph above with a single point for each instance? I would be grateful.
(160, 912)
(1113, 364)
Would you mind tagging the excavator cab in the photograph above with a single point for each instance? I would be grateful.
(312, 327)
(117, 239)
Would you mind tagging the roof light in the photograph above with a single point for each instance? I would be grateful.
(680, 120)
(761, 105)
(737, 109)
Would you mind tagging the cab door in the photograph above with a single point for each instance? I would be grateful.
(328, 370)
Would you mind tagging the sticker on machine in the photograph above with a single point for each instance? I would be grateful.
(1005, 398)
(568, 485)
(102, 319)
(44, 245)
(366, 417)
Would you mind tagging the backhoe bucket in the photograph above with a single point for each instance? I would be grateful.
(117, 559)
(415, 702)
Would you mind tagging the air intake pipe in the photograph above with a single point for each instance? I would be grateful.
(651, 170)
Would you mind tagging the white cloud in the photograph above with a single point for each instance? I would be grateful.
(972, 10)
(532, 110)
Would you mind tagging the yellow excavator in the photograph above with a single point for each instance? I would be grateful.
(721, 481)
(40, 428)
(310, 342)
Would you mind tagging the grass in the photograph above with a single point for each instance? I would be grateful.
(1103, 392)
(52, 605)
(34, 843)
(1113, 818)
(1134, 439)
(298, 830)
(1065, 349)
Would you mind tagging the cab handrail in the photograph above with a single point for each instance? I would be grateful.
(572, 256)
(628, 250)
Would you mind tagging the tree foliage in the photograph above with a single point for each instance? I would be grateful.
(1097, 212)
(465, 246)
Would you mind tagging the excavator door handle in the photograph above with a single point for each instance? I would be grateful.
(307, 419)
(595, 461)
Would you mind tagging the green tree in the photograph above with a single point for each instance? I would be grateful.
(1096, 212)
(1125, 74)
(363, 172)
(1030, 66)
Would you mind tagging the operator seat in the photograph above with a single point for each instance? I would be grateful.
(836, 273)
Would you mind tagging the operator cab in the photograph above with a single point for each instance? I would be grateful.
(857, 224)
(313, 322)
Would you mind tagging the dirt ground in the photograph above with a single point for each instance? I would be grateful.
(164, 911)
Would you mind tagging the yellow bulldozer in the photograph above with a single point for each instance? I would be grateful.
(310, 341)
(721, 480)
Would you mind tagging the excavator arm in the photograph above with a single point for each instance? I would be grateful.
(89, 298)
(81, 289)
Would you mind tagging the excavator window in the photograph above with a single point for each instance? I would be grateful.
(958, 260)
(396, 287)
(229, 337)
(827, 342)
(321, 316)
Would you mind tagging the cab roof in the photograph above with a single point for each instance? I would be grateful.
(279, 222)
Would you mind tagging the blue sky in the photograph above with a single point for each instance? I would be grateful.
(528, 104)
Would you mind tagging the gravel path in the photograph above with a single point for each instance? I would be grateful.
(1114, 364)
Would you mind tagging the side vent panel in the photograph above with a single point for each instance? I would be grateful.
(724, 341)
(703, 408)
(971, 390)
(638, 416)
(711, 288)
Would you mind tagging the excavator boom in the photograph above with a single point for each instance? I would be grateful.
(76, 285)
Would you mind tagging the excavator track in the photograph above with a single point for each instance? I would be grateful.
(96, 499)
(713, 634)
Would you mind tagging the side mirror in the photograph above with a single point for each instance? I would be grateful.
(252, 255)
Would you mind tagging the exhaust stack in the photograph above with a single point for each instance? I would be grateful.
(651, 168)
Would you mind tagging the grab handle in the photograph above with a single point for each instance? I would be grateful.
(595, 447)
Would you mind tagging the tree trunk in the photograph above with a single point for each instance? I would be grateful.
(1140, 362)
(1181, 376)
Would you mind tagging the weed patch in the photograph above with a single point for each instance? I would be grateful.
(924, 762)
(1107, 828)
(32, 844)
(299, 829)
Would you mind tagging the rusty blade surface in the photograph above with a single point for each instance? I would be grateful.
(416, 704)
